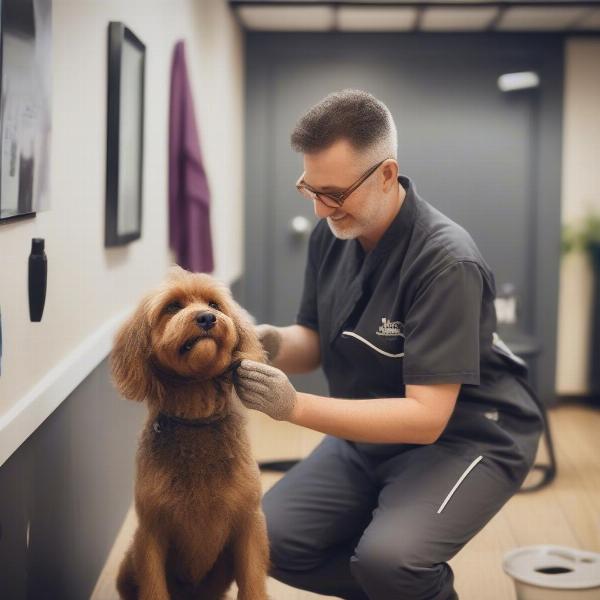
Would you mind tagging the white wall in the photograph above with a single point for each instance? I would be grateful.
(580, 193)
(89, 285)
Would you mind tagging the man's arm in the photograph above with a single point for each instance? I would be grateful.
(419, 418)
(299, 350)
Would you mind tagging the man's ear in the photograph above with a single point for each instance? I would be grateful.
(249, 346)
(390, 174)
(129, 358)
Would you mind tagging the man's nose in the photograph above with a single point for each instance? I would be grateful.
(206, 320)
(321, 210)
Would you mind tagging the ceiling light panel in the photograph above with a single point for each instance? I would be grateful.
(534, 18)
(458, 19)
(376, 18)
(287, 18)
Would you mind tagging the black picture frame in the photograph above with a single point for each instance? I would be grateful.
(25, 123)
(125, 136)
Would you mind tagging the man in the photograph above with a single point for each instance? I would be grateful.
(430, 426)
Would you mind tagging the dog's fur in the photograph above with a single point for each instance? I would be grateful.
(197, 491)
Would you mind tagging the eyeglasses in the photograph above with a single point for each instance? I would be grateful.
(333, 199)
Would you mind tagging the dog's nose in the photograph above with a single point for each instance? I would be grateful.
(206, 320)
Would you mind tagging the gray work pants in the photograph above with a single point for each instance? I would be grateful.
(348, 524)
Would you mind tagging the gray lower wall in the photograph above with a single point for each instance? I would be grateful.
(70, 484)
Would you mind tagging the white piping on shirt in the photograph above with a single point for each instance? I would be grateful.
(362, 339)
(469, 469)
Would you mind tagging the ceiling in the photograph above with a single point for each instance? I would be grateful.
(414, 15)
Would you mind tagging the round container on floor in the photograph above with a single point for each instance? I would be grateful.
(554, 573)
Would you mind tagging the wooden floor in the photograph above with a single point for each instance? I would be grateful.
(566, 513)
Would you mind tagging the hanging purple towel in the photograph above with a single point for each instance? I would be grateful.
(189, 195)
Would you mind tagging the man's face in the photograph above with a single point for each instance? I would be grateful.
(334, 170)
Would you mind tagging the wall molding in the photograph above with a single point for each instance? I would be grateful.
(23, 418)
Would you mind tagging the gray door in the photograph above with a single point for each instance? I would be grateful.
(476, 153)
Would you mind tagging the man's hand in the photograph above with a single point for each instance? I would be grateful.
(270, 338)
(265, 388)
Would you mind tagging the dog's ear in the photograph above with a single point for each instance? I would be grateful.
(249, 345)
(130, 369)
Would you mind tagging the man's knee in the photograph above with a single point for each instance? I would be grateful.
(377, 558)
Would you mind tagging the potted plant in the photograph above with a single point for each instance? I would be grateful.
(585, 236)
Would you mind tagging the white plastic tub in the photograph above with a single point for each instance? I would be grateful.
(554, 573)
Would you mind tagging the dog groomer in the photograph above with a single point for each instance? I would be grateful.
(431, 426)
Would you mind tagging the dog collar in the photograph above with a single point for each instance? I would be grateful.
(164, 421)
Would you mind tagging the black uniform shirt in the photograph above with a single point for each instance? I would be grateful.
(417, 309)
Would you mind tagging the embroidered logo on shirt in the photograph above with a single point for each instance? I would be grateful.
(390, 328)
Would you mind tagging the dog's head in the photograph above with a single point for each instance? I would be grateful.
(188, 328)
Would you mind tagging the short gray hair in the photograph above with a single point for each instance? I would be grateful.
(354, 115)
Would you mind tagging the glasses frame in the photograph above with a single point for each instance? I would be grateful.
(337, 198)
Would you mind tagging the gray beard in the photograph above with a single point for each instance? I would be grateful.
(346, 233)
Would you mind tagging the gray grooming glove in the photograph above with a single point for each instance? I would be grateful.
(265, 388)
(270, 338)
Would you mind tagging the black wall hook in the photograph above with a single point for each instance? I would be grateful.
(38, 272)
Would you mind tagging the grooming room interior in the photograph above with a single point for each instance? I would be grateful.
(140, 135)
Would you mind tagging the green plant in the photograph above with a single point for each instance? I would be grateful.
(582, 236)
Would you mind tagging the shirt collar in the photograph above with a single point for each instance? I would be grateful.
(358, 266)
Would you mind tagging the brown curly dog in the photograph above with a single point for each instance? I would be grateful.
(197, 490)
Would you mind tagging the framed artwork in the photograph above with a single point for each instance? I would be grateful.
(125, 136)
(26, 74)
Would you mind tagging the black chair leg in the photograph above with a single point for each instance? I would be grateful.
(549, 470)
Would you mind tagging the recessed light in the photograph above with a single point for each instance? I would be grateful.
(510, 82)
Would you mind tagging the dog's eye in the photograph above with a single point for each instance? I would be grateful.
(173, 307)
(214, 305)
